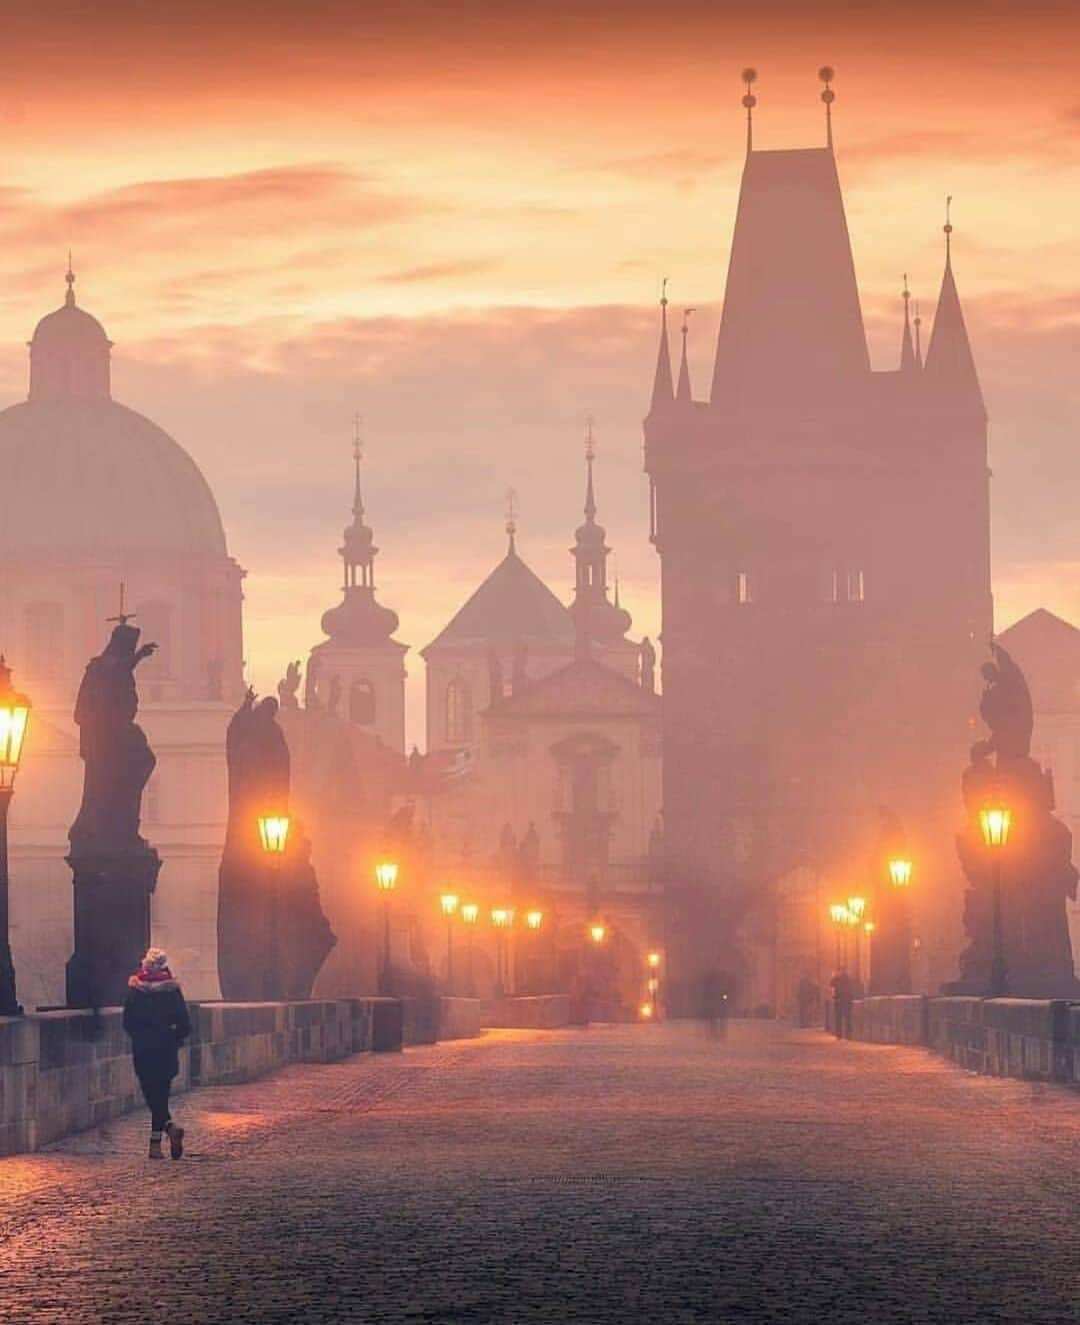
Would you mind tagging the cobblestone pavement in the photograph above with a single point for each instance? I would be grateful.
(630, 1174)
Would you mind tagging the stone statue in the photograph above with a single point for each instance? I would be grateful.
(1037, 873)
(267, 908)
(288, 686)
(1006, 706)
(115, 869)
(648, 666)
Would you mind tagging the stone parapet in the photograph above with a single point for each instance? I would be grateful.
(62, 1072)
(543, 1012)
(460, 1018)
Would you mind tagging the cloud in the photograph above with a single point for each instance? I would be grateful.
(437, 271)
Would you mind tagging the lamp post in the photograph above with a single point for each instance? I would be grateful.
(449, 904)
(652, 961)
(995, 821)
(386, 877)
(856, 907)
(14, 714)
(470, 913)
(900, 871)
(502, 917)
(273, 836)
(839, 913)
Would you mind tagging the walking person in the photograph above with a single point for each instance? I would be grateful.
(156, 1018)
(843, 988)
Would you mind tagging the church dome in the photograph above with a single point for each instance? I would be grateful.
(84, 475)
(359, 620)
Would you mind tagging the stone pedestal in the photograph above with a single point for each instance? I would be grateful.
(112, 922)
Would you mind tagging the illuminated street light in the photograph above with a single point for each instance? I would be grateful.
(273, 833)
(470, 913)
(900, 872)
(14, 716)
(856, 905)
(995, 823)
(449, 903)
(273, 837)
(653, 959)
(534, 919)
(502, 917)
(386, 877)
(597, 933)
(646, 1011)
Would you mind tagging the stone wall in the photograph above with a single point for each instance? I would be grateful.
(61, 1072)
(541, 1012)
(460, 1018)
(1035, 1039)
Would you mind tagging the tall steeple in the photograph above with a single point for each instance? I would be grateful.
(950, 365)
(359, 619)
(663, 392)
(596, 618)
(683, 394)
(826, 73)
(908, 361)
(792, 327)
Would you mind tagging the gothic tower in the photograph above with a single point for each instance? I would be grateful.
(359, 671)
(823, 532)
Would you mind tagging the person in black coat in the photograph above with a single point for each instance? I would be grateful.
(156, 1018)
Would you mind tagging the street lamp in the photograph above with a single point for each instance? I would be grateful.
(597, 933)
(534, 919)
(995, 822)
(273, 836)
(449, 904)
(14, 715)
(900, 872)
(386, 877)
(840, 918)
(502, 917)
(470, 913)
(653, 959)
(856, 907)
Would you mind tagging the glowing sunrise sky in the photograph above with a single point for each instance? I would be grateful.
(454, 219)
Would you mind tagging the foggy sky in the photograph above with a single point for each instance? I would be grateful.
(454, 219)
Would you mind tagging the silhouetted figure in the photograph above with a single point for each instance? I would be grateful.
(1006, 706)
(715, 1003)
(807, 997)
(843, 992)
(529, 855)
(115, 869)
(288, 687)
(272, 934)
(156, 1018)
(648, 666)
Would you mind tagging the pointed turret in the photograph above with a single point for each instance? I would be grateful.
(950, 365)
(596, 618)
(908, 360)
(792, 327)
(683, 394)
(663, 392)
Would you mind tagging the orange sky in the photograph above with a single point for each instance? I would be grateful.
(454, 218)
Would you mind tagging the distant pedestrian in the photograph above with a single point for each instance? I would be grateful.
(843, 988)
(714, 1004)
(156, 1018)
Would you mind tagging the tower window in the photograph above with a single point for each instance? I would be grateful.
(856, 585)
(362, 703)
(744, 588)
(458, 712)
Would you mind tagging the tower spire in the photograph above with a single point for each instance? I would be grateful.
(590, 456)
(684, 394)
(663, 392)
(511, 521)
(950, 365)
(948, 231)
(827, 73)
(749, 77)
(908, 360)
(69, 280)
(358, 455)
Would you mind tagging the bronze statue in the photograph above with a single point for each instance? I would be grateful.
(272, 934)
(112, 746)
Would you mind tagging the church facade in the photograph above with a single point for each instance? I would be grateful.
(823, 533)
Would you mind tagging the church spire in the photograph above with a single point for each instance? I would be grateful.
(950, 365)
(69, 280)
(826, 73)
(596, 619)
(683, 394)
(511, 522)
(662, 393)
(590, 456)
(749, 77)
(908, 360)
(358, 455)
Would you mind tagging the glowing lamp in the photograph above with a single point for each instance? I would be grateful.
(470, 913)
(839, 913)
(14, 714)
(534, 919)
(386, 873)
(869, 927)
(646, 1011)
(900, 872)
(995, 821)
(449, 904)
(597, 933)
(502, 917)
(856, 905)
(273, 833)
(653, 959)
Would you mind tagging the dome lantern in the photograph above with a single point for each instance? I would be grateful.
(70, 353)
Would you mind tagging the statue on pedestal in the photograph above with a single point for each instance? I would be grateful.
(115, 870)
(272, 934)
(1037, 873)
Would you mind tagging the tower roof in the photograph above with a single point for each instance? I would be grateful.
(512, 605)
(950, 365)
(683, 393)
(791, 307)
(70, 353)
(663, 392)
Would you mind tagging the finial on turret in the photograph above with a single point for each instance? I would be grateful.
(749, 77)
(918, 335)
(358, 455)
(590, 456)
(908, 357)
(511, 518)
(69, 280)
(683, 391)
(948, 230)
(827, 73)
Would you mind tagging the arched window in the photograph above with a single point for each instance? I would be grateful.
(362, 703)
(44, 635)
(154, 620)
(458, 712)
